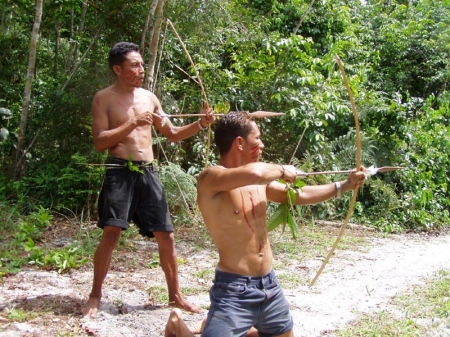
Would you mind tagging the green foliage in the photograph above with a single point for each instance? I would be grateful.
(409, 57)
(396, 55)
(19, 315)
(284, 213)
(426, 201)
(22, 249)
(32, 226)
(74, 186)
(384, 324)
(62, 260)
(417, 312)
(133, 167)
(180, 188)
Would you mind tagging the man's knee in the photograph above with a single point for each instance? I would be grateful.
(165, 239)
(111, 235)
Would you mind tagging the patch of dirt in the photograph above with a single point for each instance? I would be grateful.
(353, 281)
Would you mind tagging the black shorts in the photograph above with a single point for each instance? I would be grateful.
(133, 196)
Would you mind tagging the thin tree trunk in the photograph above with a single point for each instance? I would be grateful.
(154, 44)
(27, 91)
(151, 13)
(57, 41)
(79, 33)
(72, 55)
(303, 17)
(161, 50)
(2, 17)
(75, 67)
(67, 60)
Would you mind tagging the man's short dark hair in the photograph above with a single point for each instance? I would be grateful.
(234, 124)
(119, 51)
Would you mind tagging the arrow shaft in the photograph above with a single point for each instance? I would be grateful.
(188, 115)
(306, 174)
(369, 171)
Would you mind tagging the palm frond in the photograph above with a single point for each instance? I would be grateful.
(344, 150)
(180, 188)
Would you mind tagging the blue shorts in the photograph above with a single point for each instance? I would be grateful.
(240, 302)
(133, 196)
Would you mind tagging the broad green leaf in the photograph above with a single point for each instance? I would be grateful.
(291, 196)
(278, 217)
(292, 225)
(299, 183)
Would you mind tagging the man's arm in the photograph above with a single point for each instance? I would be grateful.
(178, 133)
(311, 195)
(219, 178)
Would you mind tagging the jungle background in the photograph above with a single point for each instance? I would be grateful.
(251, 55)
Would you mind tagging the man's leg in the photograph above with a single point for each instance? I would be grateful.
(102, 259)
(169, 264)
(175, 326)
(252, 333)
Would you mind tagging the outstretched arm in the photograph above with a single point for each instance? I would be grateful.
(311, 195)
(177, 133)
(218, 179)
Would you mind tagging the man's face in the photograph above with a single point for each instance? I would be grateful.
(131, 71)
(253, 145)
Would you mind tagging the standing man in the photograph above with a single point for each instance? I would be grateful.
(123, 114)
(232, 198)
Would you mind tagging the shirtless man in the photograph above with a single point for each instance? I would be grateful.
(232, 198)
(122, 117)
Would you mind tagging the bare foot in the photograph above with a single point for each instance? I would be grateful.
(181, 303)
(173, 323)
(90, 308)
(197, 327)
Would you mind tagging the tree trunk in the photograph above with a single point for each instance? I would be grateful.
(77, 64)
(71, 37)
(72, 55)
(154, 44)
(151, 13)
(27, 91)
(79, 34)
(57, 41)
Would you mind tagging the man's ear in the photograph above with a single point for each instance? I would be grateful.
(117, 69)
(238, 142)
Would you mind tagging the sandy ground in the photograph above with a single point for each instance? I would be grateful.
(353, 281)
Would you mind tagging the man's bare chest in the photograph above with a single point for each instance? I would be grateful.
(122, 110)
(249, 201)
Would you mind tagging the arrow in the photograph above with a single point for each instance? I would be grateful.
(256, 114)
(369, 171)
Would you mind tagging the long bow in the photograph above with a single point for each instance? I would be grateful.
(358, 165)
(199, 82)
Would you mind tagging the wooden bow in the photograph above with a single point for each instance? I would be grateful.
(358, 165)
(200, 84)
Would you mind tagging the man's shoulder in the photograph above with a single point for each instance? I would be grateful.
(103, 92)
(214, 168)
(210, 171)
(148, 93)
